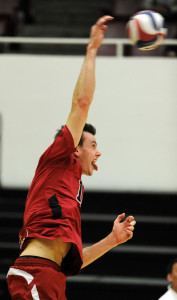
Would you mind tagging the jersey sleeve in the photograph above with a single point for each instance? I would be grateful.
(61, 148)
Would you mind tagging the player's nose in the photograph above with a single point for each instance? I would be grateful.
(98, 153)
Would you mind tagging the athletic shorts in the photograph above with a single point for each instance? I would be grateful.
(34, 278)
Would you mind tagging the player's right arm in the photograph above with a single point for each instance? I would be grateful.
(85, 87)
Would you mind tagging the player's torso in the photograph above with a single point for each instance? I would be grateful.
(54, 250)
(55, 189)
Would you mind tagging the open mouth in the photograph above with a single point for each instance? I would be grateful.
(93, 163)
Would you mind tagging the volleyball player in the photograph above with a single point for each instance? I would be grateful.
(50, 240)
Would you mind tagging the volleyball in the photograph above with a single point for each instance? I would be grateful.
(146, 29)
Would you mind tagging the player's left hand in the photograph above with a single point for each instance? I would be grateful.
(123, 231)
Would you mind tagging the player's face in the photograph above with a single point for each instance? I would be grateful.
(88, 154)
(173, 277)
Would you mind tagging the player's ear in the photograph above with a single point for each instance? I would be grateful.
(169, 277)
(76, 153)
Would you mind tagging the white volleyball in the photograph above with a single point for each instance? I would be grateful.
(146, 29)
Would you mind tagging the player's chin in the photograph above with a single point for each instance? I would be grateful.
(89, 172)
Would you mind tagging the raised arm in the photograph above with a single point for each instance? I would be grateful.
(84, 90)
(121, 232)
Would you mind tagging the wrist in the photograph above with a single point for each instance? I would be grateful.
(112, 240)
(91, 50)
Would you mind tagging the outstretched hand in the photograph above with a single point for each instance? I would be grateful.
(123, 231)
(98, 32)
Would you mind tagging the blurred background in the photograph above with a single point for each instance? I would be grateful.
(42, 47)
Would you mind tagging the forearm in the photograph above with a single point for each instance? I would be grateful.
(85, 86)
(86, 83)
(95, 251)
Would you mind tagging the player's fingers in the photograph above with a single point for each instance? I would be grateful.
(130, 228)
(103, 20)
(132, 223)
(104, 27)
(120, 217)
(129, 234)
(130, 219)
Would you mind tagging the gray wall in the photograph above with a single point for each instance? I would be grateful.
(134, 110)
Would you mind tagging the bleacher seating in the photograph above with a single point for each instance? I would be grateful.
(67, 18)
(137, 267)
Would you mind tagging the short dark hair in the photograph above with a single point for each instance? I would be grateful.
(170, 265)
(87, 128)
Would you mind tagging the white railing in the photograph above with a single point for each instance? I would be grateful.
(119, 43)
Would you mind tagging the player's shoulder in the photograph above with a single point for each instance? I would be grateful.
(165, 296)
(65, 135)
(62, 147)
(64, 132)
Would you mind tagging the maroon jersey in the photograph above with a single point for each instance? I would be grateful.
(54, 199)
